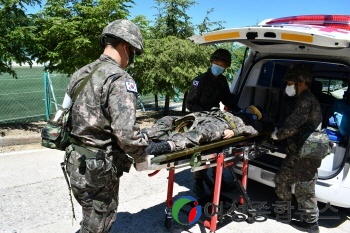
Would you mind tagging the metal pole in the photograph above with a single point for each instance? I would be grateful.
(46, 97)
(52, 91)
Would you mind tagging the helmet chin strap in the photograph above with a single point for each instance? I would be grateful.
(127, 63)
(130, 62)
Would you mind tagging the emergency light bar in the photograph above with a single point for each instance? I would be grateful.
(334, 21)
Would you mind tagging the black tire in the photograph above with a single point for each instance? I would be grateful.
(250, 219)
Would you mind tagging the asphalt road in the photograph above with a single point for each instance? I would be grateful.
(34, 198)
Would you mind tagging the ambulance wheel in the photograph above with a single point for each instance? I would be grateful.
(168, 222)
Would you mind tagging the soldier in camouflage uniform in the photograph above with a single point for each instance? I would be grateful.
(207, 91)
(104, 133)
(202, 127)
(299, 169)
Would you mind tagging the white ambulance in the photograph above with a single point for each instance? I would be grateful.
(320, 42)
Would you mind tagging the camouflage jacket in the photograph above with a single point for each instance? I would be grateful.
(304, 118)
(168, 125)
(208, 91)
(104, 114)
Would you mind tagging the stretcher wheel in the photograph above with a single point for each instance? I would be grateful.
(168, 222)
(251, 218)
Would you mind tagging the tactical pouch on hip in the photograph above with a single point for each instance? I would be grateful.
(99, 171)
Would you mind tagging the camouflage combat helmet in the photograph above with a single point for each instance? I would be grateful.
(125, 30)
(222, 55)
(298, 74)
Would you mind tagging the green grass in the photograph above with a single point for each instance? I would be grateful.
(22, 99)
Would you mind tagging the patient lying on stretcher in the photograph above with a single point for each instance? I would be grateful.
(172, 133)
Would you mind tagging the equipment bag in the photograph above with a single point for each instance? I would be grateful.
(55, 134)
(317, 145)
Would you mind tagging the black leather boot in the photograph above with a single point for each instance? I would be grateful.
(158, 148)
(305, 226)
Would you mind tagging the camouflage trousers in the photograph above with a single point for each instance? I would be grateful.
(302, 172)
(95, 186)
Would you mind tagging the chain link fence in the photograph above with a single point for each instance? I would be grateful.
(23, 99)
(37, 94)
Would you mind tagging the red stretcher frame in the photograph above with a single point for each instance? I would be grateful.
(220, 160)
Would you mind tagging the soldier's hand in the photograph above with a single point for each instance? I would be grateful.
(144, 165)
(228, 134)
(273, 134)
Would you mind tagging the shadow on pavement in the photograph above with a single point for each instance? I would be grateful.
(264, 200)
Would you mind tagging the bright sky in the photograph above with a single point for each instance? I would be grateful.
(250, 12)
(247, 12)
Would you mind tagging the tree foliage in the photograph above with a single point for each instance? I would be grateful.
(68, 31)
(64, 35)
(208, 25)
(172, 19)
(168, 63)
(16, 34)
(171, 61)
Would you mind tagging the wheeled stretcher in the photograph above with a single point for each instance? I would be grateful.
(221, 154)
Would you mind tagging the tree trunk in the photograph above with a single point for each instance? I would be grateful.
(183, 110)
(156, 102)
(166, 105)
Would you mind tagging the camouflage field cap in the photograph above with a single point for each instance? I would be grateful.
(222, 55)
(298, 74)
(125, 30)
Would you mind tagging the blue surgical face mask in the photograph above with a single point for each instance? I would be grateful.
(217, 70)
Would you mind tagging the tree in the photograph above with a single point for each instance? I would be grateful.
(172, 19)
(168, 63)
(68, 31)
(207, 25)
(16, 34)
(170, 60)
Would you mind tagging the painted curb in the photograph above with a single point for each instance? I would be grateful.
(20, 140)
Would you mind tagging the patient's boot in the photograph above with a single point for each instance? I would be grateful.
(158, 148)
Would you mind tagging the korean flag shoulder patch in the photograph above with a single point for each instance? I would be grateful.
(131, 86)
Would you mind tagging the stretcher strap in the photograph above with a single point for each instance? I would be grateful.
(196, 160)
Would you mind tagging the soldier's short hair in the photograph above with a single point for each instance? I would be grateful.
(222, 55)
(298, 74)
